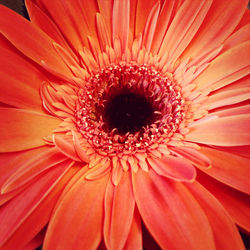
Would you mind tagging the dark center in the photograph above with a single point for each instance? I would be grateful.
(128, 112)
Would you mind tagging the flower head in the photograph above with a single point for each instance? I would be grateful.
(125, 117)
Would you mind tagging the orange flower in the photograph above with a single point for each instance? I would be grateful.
(117, 113)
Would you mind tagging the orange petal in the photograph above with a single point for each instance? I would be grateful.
(102, 32)
(240, 36)
(174, 168)
(243, 82)
(222, 131)
(149, 30)
(134, 240)
(21, 129)
(236, 203)
(20, 81)
(9, 164)
(219, 219)
(243, 151)
(106, 8)
(238, 110)
(75, 19)
(78, 218)
(183, 27)
(229, 168)
(172, 216)
(33, 42)
(193, 155)
(230, 66)
(217, 27)
(18, 210)
(120, 22)
(227, 97)
(66, 147)
(38, 17)
(143, 9)
(162, 24)
(119, 207)
(32, 167)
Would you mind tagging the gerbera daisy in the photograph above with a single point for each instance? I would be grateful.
(123, 118)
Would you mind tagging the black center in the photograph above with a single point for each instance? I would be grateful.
(128, 112)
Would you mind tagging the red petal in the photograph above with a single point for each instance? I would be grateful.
(219, 219)
(21, 129)
(170, 213)
(33, 42)
(173, 167)
(236, 203)
(78, 218)
(119, 207)
(18, 210)
(224, 131)
(36, 242)
(229, 168)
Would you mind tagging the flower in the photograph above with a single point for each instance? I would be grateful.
(119, 117)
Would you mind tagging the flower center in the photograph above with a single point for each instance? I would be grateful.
(128, 108)
(128, 112)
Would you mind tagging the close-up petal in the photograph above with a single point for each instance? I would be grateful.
(165, 215)
(124, 124)
(21, 129)
(218, 218)
(83, 226)
(34, 43)
(236, 134)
